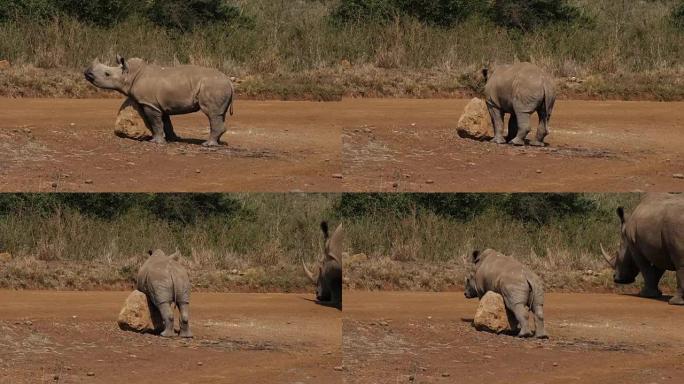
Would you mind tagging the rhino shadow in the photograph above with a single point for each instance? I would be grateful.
(328, 304)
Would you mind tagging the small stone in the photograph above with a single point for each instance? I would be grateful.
(90, 374)
(4, 64)
(89, 181)
(384, 323)
(429, 181)
(199, 363)
(55, 377)
(72, 124)
(198, 171)
(678, 175)
(337, 176)
(555, 364)
(395, 185)
(445, 374)
(538, 171)
(54, 184)
(338, 368)
(412, 378)
(28, 322)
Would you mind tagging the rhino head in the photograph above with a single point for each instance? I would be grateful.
(470, 289)
(622, 262)
(327, 274)
(118, 78)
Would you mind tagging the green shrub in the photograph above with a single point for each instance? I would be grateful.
(530, 14)
(27, 9)
(678, 15)
(184, 15)
(436, 12)
(100, 12)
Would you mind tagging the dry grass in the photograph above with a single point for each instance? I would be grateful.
(630, 51)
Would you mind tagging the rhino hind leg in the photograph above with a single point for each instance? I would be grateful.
(153, 117)
(542, 129)
(184, 309)
(218, 128)
(168, 129)
(539, 330)
(497, 123)
(166, 311)
(512, 128)
(521, 315)
(678, 298)
(523, 120)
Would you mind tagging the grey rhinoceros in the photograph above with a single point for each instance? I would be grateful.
(522, 290)
(519, 89)
(652, 241)
(328, 272)
(165, 91)
(165, 282)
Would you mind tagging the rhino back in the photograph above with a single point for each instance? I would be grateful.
(175, 90)
(504, 275)
(518, 86)
(656, 230)
(154, 279)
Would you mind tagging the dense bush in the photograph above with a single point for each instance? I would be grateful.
(521, 14)
(535, 208)
(174, 14)
(678, 15)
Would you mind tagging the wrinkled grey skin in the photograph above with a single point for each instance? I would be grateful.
(328, 271)
(652, 241)
(165, 282)
(519, 90)
(522, 290)
(163, 92)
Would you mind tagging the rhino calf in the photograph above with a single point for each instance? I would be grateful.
(520, 90)
(165, 282)
(328, 272)
(652, 242)
(521, 289)
(162, 92)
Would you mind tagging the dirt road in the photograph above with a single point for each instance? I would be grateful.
(239, 338)
(427, 338)
(69, 145)
(411, 145)
(378, 145)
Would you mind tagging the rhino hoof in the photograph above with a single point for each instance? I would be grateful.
(676, 300)
(499, 140)
(167, 333)
(650, 294)
(537, 143)
(210, 143)
(517, 142)
(158, 140)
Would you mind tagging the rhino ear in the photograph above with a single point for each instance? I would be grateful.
(149, 252)
(621, 214)
(475, 256)
(122, 62)
(485, 73)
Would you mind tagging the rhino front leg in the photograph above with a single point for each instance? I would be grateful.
(168, 129)
(154, 121)
(652, 277)
(218, 128)
(184, 309)
(497, 123)
(678, 298)
(166, 311)
(539, 330)
(521, 315)
(523, 119)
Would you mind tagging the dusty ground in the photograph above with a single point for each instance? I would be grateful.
(239, 338)
(427, 338)
(69, 145)
(388, 145)
(411, 145)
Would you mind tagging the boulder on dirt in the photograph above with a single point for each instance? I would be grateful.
(4, 64)
(5, 257)
(137, 315)
(129, 122)
(475, 122)
(491, 315)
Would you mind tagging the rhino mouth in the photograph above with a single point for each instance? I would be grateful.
(89, 76)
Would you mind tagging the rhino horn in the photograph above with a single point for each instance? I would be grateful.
(334, 245)
(308, 273)
(607, 257)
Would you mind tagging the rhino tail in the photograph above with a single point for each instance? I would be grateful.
(536, 293)
(548, 99)
(232, 99)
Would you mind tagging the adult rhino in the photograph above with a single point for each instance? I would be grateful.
(519, 89)
(165, 282)
(165, 91)
(522, 290)
(328, 271)
(652, 241)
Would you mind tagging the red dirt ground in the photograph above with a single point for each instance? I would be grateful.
(69, 145)
(595, 146)
(239, 338)
(594, 338)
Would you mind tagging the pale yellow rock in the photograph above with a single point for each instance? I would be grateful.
(137, 316)
(475, 122)
(491, 314)
(5, 257)
(4, 64)
(130, 123)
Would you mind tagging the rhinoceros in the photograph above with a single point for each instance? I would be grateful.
(520, 90)
(165, 282)
(165, 91)
(522, 290)
(652, 241)
(328, 271)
